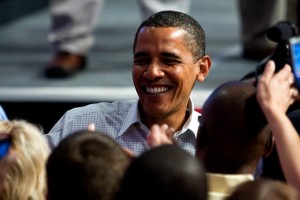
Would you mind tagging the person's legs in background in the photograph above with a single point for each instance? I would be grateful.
(73, 22)
(149, 7)
(256, 17)
(292, 13)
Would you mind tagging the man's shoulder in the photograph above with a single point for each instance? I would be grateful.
(119, 106)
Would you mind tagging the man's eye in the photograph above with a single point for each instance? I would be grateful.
(140, 61)
(171, 62)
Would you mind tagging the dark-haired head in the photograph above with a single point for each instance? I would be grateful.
(86, 165)
(164, 172)
(194, 37)
(234, 132)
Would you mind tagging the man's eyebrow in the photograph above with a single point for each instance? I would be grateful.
(163, 54)
(140, 54)
(170, 55)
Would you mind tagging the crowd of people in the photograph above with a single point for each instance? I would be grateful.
(159, 146)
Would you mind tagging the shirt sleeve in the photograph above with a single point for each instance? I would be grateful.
(3, 115)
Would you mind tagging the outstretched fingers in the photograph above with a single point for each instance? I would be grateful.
(160, 135)
(276, 89)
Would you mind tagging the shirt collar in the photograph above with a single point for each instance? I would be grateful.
(133, 116)
(192, 122)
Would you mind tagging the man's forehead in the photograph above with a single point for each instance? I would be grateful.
(173, 30)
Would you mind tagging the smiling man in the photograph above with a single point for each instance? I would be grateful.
(169, 57)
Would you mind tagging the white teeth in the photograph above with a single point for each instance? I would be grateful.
(156, 89)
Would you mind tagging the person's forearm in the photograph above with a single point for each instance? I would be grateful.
(288, 145)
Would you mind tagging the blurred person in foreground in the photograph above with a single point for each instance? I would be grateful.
(262, 189)
(232, 138)
(23, 155)
(86, 165)
(164, 172)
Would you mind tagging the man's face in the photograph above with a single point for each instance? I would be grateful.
(164, 71)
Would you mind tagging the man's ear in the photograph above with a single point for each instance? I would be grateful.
(269, 146)
(204, 65)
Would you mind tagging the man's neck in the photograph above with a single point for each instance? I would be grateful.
(174, 120)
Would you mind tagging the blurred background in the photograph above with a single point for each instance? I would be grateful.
(25, 51)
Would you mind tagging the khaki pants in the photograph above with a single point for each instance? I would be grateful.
(256, 16)
(73, 21)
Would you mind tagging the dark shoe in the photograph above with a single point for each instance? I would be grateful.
(65, 65)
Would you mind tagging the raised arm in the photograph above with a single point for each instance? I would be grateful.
(275, 93)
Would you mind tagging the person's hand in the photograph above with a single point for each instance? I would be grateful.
(160, 135)
(129, 152)
(276, 90)
(91, 127)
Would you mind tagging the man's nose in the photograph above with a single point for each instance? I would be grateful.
(153, 71)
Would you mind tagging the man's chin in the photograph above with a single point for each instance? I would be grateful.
(155, 111)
